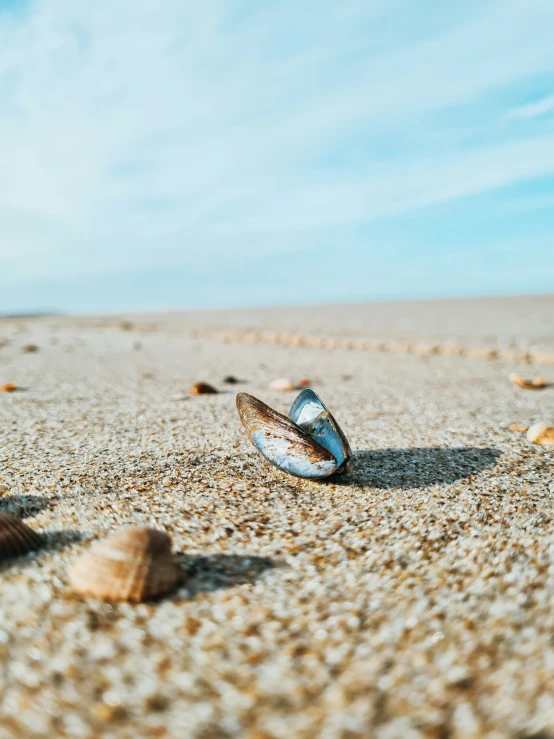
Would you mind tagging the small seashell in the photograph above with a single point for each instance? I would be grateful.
(451, 348)
(514, 355)
(133, 565)
(537, 384)
(308, 443)
(478, 352)
(202, 388)
(16, 537)
(543, 357)
(312, 341)
(9, 387)
(306, 382)
(541, 433)
(230, 380)
(29, 348)
(518, 427)
(282, 384)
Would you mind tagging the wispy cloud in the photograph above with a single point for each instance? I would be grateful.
(533, 110)
(138, 135)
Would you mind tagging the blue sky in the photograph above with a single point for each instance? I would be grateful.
(165, 154)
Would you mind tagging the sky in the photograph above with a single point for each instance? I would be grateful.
(173, 154)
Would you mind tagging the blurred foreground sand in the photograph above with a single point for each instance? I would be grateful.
(411, 598)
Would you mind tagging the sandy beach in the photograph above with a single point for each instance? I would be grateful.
(410, 598)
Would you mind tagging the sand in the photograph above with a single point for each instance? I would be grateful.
(519, 322)
(410, 598)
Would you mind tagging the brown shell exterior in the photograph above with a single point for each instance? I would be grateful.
(538, 384)
(202, 388)
(256, 415)
(132, 565)
(16, 537)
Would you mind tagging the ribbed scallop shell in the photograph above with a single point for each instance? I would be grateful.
(133, 565)
(16, 537)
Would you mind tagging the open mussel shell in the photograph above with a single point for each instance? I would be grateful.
(309, 443)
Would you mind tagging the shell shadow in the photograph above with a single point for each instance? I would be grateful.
(416, 468)
(52, 541)
(204, 574)
(24, 506)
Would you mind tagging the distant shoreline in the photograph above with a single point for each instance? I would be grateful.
(523, 323)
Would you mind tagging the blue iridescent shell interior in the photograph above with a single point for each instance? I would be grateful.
(308, 443)
(310, 414)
